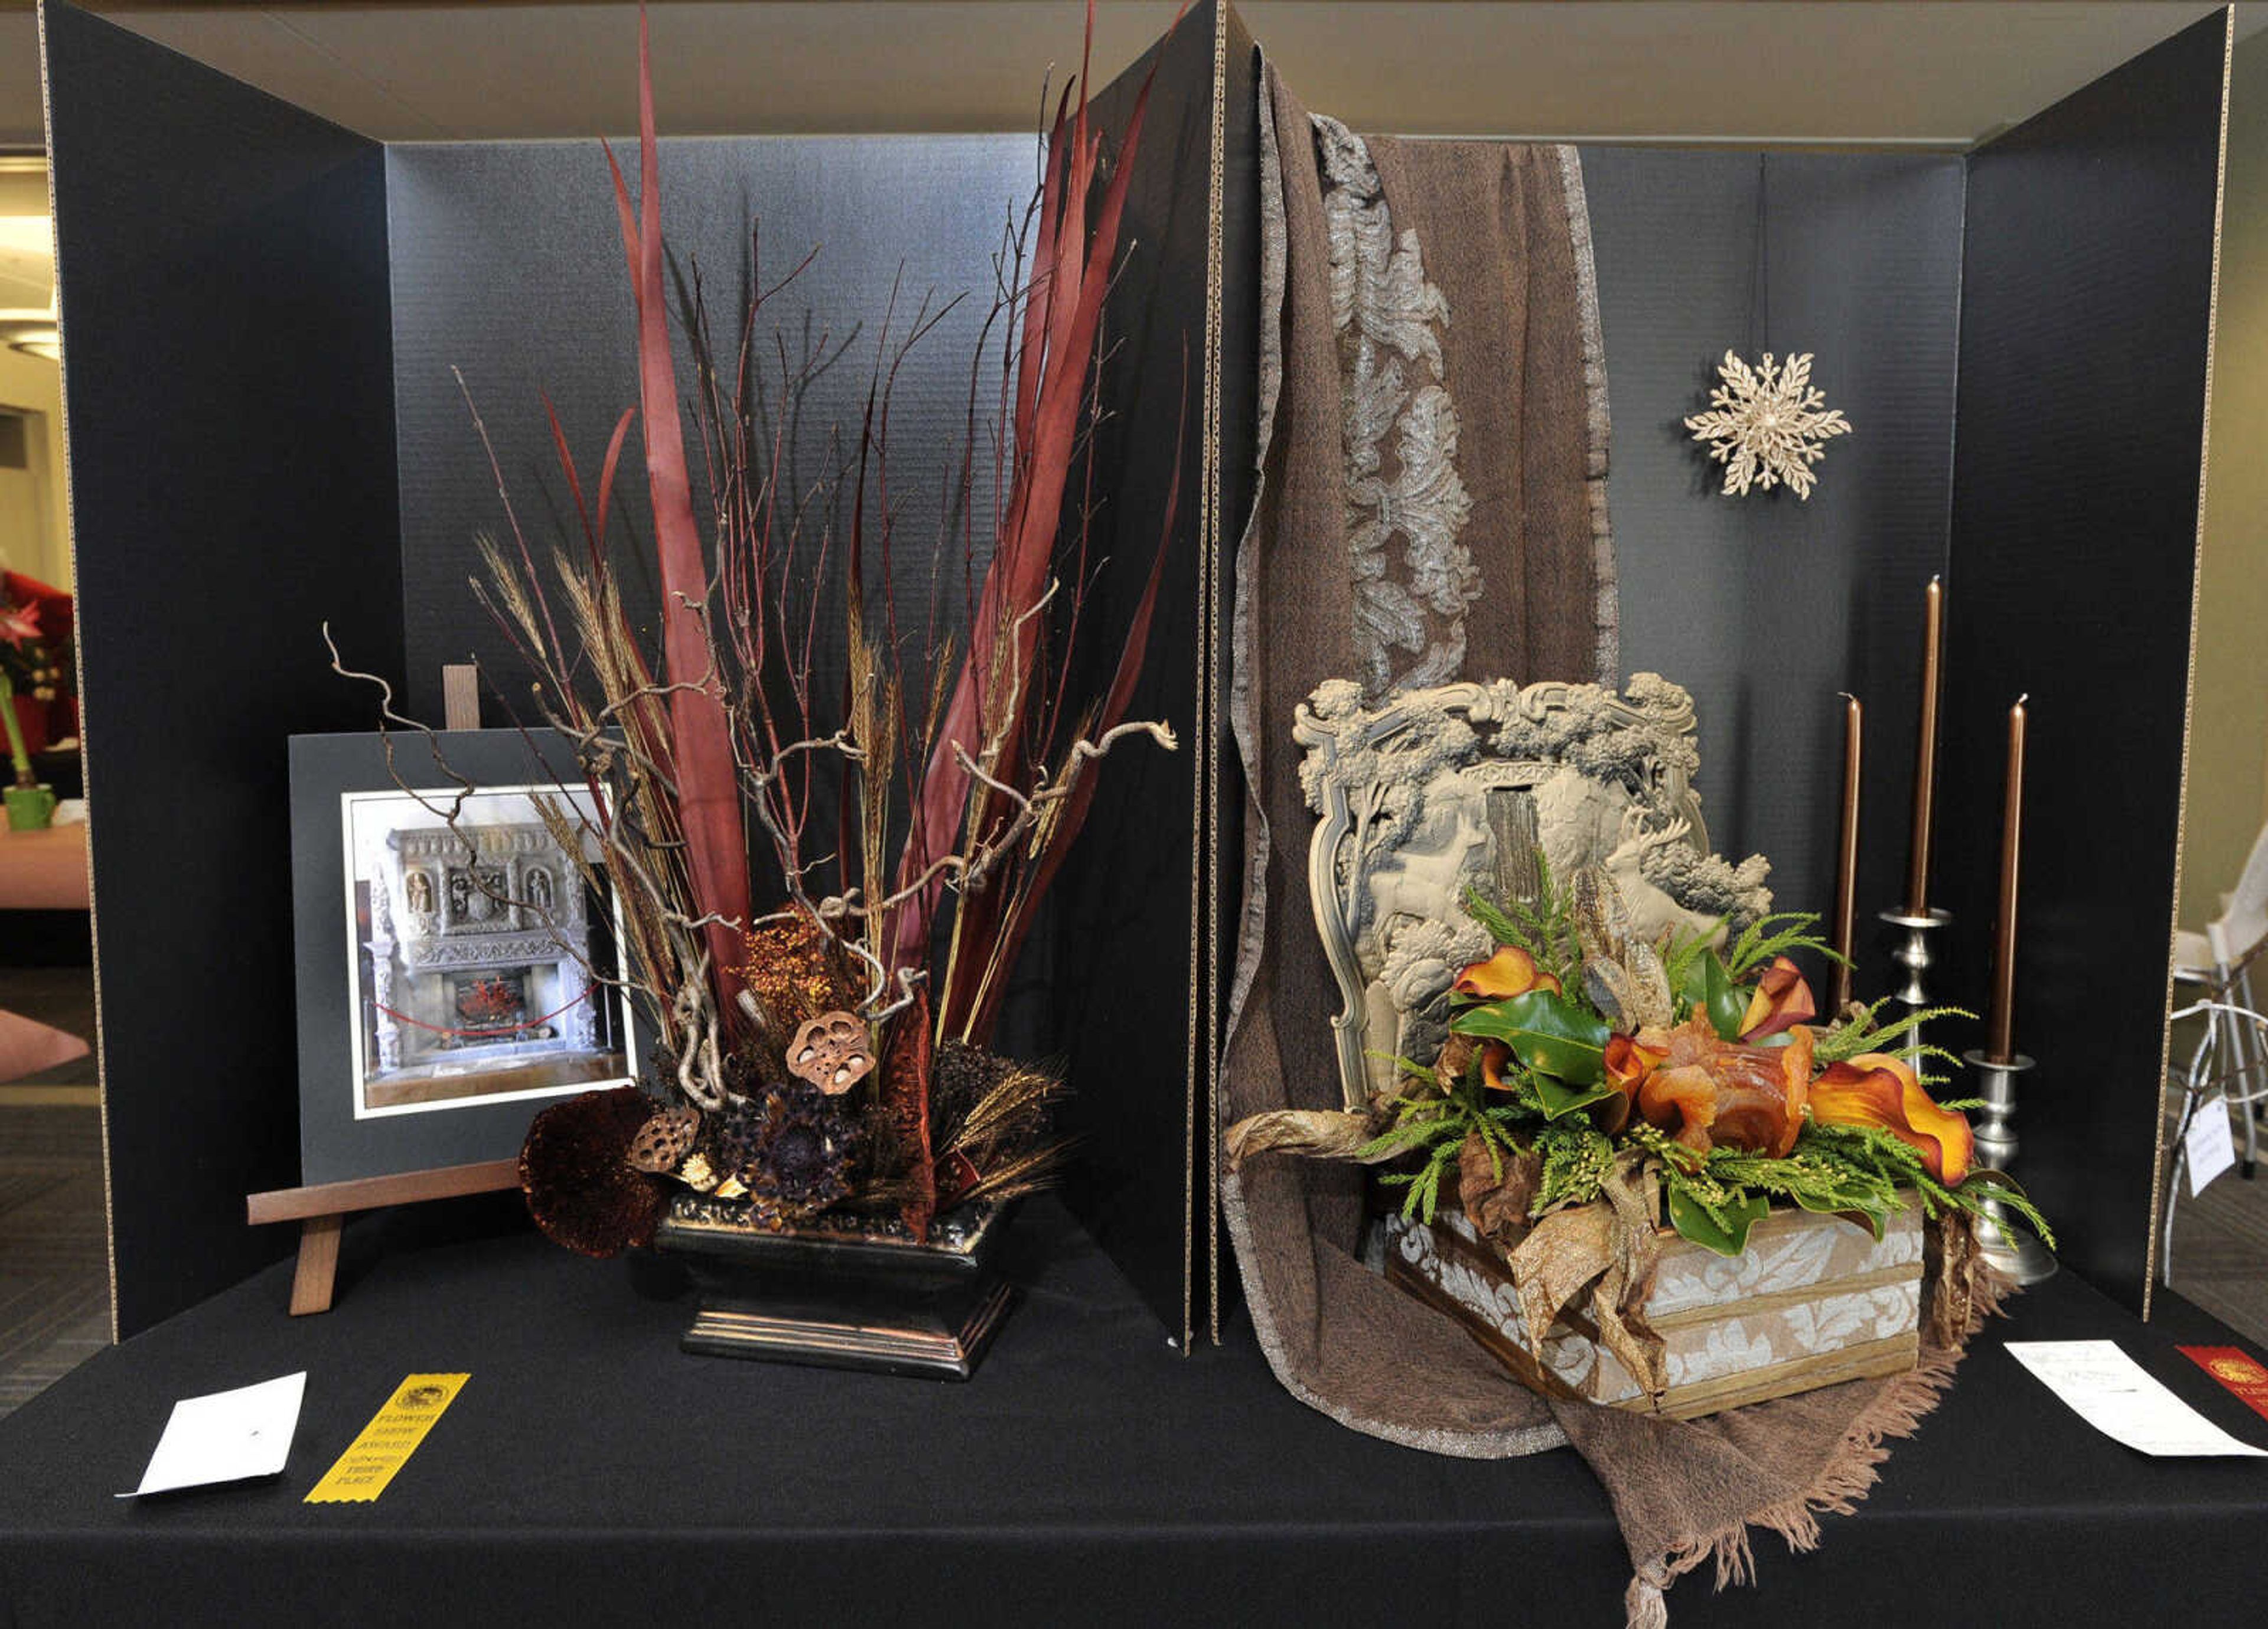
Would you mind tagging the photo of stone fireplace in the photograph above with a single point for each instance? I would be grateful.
(482, 955)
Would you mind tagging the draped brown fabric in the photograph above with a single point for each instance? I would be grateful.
(1338, 1335)
(1506, 296)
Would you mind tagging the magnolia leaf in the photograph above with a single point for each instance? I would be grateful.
(1872, 1221)
(1546, 1032)
(1693, 1221)
(1558, 1099)
(1727, 1003)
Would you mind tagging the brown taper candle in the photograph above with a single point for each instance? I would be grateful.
(1925, 796)
(1999, 1043)
(1846, 869)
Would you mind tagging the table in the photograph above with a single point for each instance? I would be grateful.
(44, 870)
(590, 1473)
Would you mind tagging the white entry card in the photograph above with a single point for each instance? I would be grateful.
(2115, 1395)
(2213, 1150)
(226, 1437)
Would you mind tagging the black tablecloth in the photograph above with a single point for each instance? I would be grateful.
(1089, 1474)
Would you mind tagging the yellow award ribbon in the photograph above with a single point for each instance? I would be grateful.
(362, 1472)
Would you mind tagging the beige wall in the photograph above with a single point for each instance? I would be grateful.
(36, 384)
(2228, 736)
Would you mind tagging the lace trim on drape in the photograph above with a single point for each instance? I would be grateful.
(1389, 320)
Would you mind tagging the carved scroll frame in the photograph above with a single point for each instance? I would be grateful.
(1344, 815)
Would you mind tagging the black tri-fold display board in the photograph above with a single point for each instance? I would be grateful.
(2087, 327)
(283, 332)
(266, 319)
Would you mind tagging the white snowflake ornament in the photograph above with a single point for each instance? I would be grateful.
(1766, 424)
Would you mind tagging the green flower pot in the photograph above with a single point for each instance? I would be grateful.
(31, 808)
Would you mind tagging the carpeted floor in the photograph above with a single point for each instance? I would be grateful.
(55, 1272)
(2220, 1236)
(2220, 1245)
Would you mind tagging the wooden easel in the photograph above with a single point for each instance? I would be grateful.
(322, 1211)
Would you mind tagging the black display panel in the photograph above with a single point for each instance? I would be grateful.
(2084, 333)
(222, 261)
(265, 434)
(1766, 606)
(1146, 903)
(507, 268)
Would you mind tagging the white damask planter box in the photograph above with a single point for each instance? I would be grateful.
(1813, 1301)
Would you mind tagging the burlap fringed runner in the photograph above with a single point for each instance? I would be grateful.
(1431, 504)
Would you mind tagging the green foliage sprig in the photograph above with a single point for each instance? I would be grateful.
(1866, 1032)
(1545, 929)
(1434, 1125)
(1576, 1160)
(1782, 933)
(1681, 959)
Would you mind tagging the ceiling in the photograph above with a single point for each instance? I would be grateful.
(1855, 72)
(1942, 73)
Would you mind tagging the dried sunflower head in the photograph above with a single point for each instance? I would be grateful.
(800, 1161)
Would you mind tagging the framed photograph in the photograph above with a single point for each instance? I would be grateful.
(456, 958)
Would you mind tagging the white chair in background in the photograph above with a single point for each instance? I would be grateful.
(2232, 1055)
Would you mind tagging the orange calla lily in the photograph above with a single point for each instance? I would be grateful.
(1713, 1093)
(1881, 1091)
(1511, 972)
(1782, 1002)
(1494, 1055)
(1628, 1065)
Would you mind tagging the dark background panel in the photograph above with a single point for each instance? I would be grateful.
(2084, 341)
(1764, 607)
(508, 268)
(1131, 905)
(223, 259)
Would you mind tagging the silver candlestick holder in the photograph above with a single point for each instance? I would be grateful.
(2017, 1254)
(1914, 955)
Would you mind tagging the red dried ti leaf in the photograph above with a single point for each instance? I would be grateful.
(708, 782)
(1071, 272)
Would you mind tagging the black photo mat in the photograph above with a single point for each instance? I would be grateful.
(504, 1019)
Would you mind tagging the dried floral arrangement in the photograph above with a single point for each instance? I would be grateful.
(826, 879)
